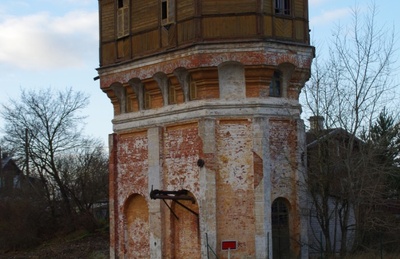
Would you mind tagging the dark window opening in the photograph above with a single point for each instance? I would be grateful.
(147, 100)
(164, 10)
(275, 86)
(192, 89)
(282, 7)
(171, 93)
(280, 229)
(120, 3)
(280, 214)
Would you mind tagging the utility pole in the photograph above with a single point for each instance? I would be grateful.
(26, 152)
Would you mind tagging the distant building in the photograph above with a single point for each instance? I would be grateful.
(208, 143)
(326, 149)
(12, 180)
(10, 176)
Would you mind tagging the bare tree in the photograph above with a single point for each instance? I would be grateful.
(85, 173)
(349, 90)
(48, 125)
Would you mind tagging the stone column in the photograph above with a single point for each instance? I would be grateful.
(262, 188)
(155, 182)
(207, 201)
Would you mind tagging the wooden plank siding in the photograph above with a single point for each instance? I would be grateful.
(153, 92)
(229, 26)
(283, 27)
(107, 22)
(185, 9)
(145, 15)
(206, 81)
(258, 79)
(186, 31)
(145, 42)
(228, 6)
(195, 21)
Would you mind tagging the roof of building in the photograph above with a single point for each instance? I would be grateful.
(5, 160)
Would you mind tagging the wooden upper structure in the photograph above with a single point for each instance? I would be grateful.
(134, 29)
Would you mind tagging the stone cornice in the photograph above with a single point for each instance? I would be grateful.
(248, 53)
(196, 110)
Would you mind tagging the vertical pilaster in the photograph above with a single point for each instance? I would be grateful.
(262, 188)
(113, 198)
(207, 201)
(155, 182)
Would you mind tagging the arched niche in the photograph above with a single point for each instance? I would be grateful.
(280, 218)
(136, 227)
(185, 229)
(286, 70)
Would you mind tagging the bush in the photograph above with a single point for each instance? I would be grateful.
(21, 224)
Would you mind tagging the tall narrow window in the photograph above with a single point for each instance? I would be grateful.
(275, 86)
(164, 10)
(122, 18)
(192, 89)
(171, 93)
(167, 12)
(147, 100)
(282, 7)
(120, 3)
(280, 229)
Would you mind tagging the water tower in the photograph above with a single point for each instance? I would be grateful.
(207, 150)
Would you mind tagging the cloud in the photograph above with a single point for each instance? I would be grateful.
(329, 16)
(41, 41)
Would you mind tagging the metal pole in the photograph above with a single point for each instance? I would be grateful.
(208, 255)
(229, 253)
(320, 235)
(26, 152)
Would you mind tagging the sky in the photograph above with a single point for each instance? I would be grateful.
(48, 43)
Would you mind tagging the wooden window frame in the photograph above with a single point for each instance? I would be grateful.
(275, 87)
(192, 89)
(172, 98)
(167, 12)
(283, 7)
(146, 100)
(123, 24)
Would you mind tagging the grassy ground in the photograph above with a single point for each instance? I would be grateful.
(79, 244)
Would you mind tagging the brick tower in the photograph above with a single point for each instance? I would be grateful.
(208, 144)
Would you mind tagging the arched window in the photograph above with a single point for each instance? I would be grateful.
(280, 228)
(275, 86)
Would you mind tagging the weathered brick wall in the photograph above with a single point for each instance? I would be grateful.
(132, 182)
(248, 163)
(284, 148)
(182, 147)
(235, 185)
(250, 142)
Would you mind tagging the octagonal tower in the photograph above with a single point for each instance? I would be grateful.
(208, 144)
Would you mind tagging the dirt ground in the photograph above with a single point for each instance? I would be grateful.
(79, 245)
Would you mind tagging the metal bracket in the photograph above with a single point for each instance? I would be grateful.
(175, 196)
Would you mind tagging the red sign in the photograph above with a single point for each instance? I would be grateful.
(229, 245)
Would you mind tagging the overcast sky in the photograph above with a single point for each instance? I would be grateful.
(54, 43)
